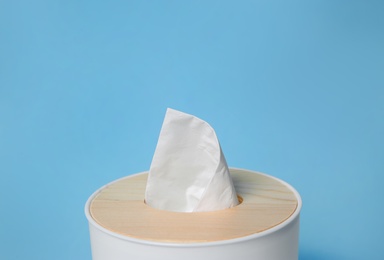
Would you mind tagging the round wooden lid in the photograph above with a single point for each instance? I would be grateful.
(265, 203)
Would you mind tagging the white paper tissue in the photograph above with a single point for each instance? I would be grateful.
(189, 172)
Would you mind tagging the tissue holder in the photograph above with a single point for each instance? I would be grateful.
(265, 225)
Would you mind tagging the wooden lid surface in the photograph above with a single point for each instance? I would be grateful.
(120, 208)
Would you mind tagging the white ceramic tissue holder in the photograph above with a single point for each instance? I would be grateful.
(264, 226)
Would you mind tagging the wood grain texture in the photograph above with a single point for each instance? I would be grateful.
(120, 208)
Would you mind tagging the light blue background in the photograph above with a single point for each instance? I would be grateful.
(294, 89)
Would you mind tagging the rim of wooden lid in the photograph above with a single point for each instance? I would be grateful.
(269, 204)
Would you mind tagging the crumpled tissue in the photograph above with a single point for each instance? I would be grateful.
(189, 172)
